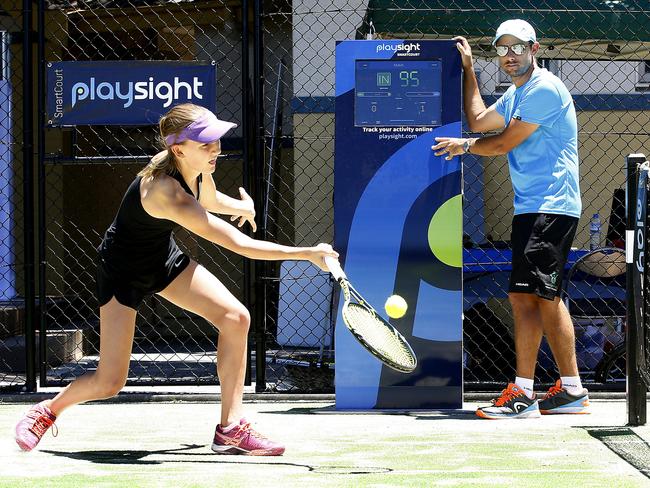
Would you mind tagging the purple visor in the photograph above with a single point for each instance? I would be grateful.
(206, 129)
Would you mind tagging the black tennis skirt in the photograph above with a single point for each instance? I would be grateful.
(130, 284)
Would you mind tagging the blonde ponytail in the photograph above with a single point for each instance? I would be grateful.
(163, 162)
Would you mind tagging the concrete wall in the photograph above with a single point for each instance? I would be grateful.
(314, 178)
(316, 28)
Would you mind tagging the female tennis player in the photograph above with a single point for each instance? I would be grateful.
(138, 257)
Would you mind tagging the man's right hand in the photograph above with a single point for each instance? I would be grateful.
(465, 52)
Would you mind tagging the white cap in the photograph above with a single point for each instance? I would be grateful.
(517, 28)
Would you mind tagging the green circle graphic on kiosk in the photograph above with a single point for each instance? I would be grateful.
(445, 230)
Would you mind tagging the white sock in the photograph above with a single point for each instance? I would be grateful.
(228, 428)
(526, 385)
(572, 384)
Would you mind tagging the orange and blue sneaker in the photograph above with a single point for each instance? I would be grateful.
(558, 400)
(243, 439)
(513, 403)
(34, 425)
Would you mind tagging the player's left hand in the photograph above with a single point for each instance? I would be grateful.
(247, 213)
(451, 146)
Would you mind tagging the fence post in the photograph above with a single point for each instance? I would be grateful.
(258, 165)
(28, 194)
(636, 391)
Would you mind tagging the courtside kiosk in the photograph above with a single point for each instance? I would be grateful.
(398, 216)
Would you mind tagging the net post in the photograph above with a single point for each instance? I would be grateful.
(636, 390)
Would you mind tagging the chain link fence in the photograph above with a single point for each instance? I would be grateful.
(283, 152)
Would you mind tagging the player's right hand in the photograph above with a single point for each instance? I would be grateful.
(465, 51)
(318, 254)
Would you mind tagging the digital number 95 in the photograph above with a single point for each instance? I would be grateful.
(409, 78)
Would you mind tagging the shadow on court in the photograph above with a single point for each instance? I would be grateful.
(132, 457)
(127, 456)
(626, 444)
(419, 415)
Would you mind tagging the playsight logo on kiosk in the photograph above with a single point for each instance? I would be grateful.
(138, 90)
(408, 49)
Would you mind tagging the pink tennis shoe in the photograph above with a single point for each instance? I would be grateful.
(243, 439)
(33, 425)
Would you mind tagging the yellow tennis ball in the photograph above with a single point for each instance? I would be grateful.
(395, 306)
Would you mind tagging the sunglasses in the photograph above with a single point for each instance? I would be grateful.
(517, 49)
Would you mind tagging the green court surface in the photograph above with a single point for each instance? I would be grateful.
(168, 444)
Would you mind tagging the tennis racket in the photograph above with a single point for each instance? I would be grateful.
(376, 335)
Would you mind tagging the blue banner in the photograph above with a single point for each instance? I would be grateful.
(125, 92)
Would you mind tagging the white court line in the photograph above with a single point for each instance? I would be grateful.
(504, 471)
(434, 442)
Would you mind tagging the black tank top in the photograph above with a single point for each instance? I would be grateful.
(136, 242)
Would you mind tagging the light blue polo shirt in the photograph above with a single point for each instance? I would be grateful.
(544, 168)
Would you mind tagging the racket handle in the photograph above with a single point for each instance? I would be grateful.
(335, 268)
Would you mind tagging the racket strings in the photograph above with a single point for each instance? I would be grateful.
(384, 340)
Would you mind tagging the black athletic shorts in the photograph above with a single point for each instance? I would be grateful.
(130, 286)
(540, 248)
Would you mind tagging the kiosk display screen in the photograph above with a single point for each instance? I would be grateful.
(393, 93)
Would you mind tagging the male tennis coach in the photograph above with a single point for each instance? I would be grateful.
(540, 136)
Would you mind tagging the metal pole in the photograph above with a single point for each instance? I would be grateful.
(28, 194)
(258, 169)
(246, 135)
(636, 391)
(42, 222)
